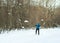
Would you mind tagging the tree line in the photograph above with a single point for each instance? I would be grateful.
(13, 13)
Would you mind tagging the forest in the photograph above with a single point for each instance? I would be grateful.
(26, 13)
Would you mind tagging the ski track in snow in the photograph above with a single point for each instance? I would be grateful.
(29, 36)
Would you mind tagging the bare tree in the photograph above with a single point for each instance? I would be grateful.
(50, 6)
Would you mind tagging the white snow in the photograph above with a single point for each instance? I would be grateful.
(26, 21)
(49, 35)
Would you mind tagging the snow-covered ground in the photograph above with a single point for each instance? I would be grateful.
(49, 35)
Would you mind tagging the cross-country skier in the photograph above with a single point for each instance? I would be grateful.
(37, 28)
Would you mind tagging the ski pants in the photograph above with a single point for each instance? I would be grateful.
(37, 31)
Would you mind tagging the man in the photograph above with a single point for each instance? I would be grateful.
(37, 28)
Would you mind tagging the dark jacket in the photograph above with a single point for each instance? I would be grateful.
(37, 26)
